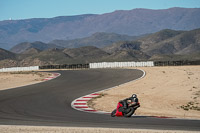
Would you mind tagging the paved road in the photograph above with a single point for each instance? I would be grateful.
(49, 103)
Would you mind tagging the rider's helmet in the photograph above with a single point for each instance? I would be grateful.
(134, 96)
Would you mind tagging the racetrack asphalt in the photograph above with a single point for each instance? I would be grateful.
(49, 103)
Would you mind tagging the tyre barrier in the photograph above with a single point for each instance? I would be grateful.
(176, 63)
(65, 66)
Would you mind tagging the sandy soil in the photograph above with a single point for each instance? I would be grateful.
(17, 79)
(164, 91)
(43, 129)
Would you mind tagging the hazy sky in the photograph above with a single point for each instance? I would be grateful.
(22, 9)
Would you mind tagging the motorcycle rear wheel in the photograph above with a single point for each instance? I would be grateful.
(113, 113)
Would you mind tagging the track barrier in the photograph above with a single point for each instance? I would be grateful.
(12, 69)
(65, 66)
(121, 64)
(103, 65)
(176, 63)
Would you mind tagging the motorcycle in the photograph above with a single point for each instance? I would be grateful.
(120, 111)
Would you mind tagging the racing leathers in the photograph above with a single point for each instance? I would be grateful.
(125, 101)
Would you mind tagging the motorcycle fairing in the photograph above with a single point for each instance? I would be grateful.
(119, 112)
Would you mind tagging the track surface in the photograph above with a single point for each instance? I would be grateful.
(49, 103)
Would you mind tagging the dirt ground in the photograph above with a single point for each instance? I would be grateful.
(16, 79)
(43, 129)
(164, 91)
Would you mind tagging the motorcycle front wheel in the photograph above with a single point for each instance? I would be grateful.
(130, 112)
(113, 113)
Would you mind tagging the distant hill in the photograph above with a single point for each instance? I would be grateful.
(27, 53)
(183, 42)
(126, 51)
(99, 39)
(87, 52)
(31, 51)
(4, 54)
(172, 57)
(165, 45)
(130, 22)
(127, 55)
(52, 54)
(70, 56)
(122, 46)
(20, 48)
(157, 37)
(165, 42)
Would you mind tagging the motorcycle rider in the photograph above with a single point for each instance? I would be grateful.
(133, 99)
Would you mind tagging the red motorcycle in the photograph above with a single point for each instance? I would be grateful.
(120, 111)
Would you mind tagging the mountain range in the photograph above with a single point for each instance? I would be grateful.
(163, 42)
(130, 22)
(165, 45)
(100, 40)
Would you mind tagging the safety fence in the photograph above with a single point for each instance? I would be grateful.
(31, 68)
(121, 64)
